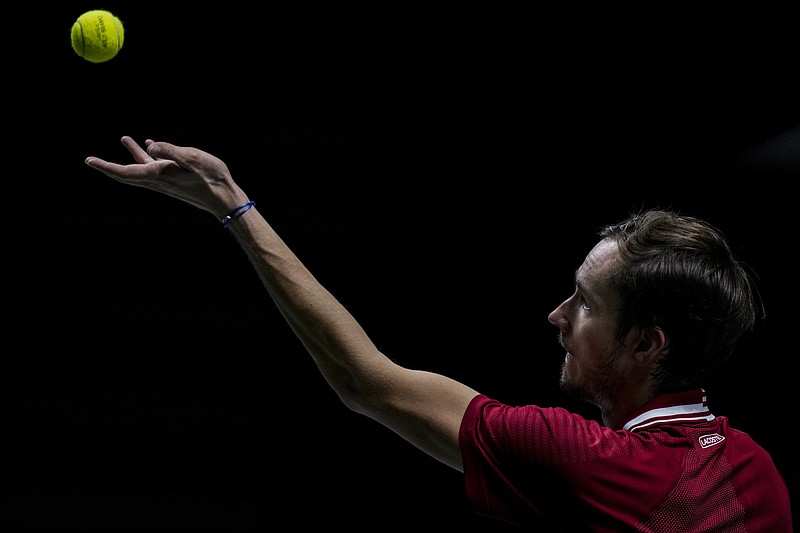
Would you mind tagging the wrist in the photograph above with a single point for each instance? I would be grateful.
(236, 212)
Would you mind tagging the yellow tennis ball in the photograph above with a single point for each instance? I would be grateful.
(97, 36)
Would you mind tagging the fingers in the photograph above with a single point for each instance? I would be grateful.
(138, 153)
(106, 167)
(162, 150)
(95, 162)
(112, 170)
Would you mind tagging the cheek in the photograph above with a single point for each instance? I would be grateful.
(592, 338)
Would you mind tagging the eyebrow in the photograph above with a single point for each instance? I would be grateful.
(580, 286)
(576, 280)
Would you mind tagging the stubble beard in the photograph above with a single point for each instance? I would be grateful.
(600, 388)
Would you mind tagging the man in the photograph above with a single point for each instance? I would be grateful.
(659, 304)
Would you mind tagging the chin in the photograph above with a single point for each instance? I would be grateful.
(570, 380)
(566, 379)
(567, 370)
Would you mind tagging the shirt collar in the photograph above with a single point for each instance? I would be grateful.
(671, 408)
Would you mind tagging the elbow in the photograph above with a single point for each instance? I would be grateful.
(364, 388)
(365, 395)
(360, 399)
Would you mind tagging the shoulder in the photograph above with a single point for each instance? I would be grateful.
(492, 421)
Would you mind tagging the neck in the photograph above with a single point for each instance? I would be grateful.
(631, 397)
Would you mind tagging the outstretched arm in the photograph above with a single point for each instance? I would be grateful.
(423, 407)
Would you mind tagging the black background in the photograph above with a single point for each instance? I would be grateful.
(443, 171)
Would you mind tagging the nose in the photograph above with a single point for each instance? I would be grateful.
(558, 317)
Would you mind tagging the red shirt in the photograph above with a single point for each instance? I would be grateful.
(674, 467)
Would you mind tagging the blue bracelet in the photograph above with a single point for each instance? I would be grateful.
(236, 212)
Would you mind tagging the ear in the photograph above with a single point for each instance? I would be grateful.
(651, 343)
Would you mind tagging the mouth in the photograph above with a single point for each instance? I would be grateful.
(561, 341)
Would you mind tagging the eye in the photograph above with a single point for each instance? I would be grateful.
(584, 305)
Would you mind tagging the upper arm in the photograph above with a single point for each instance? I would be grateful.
(424, 408)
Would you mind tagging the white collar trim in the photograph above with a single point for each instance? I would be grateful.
(677, 413)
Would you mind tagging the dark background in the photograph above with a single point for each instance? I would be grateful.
(443, 171)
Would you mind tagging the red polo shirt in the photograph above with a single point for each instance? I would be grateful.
(674, 467)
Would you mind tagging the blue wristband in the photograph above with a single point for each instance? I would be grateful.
(236, 212)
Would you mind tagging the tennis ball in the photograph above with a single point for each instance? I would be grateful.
(97, 36)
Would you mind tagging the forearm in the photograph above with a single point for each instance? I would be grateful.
(345, 355)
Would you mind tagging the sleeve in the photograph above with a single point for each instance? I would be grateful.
(493, 478)
(526, 465)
